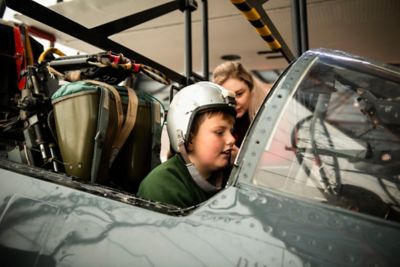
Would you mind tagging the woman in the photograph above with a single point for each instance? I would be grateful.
(234, 77)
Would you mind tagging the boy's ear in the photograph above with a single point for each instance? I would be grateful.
(190, 147)
(190, 143)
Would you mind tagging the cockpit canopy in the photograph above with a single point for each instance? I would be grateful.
(336, 138)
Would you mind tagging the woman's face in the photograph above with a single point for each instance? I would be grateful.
(242, 95)
(210, 149)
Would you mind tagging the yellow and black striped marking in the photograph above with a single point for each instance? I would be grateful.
(254, 18)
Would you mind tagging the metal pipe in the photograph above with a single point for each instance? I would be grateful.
(299, 26)
(303, 25)
(2, 8)
(53, 154)
(188, 44)
(296, 28)
(206, 63)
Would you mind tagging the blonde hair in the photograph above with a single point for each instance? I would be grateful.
(232, 69)
(235, 70)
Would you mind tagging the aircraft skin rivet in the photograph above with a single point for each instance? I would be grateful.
(263, 200)
(386, 157)
(252, 198)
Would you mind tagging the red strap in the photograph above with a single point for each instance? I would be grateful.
(136, 67)
(19, 57)
(114, 59)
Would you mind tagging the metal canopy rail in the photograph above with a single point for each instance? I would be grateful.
(98, 36)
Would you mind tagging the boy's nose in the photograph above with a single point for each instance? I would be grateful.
(230, 139)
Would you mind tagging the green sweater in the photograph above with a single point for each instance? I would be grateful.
(171, 183)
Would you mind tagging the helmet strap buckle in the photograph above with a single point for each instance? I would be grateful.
(198, 179)
(181, 146)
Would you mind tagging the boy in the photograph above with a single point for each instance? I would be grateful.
(199, 123)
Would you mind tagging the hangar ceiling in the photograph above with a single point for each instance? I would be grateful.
(367, 28)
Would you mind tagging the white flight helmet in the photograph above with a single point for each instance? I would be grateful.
(191, 100)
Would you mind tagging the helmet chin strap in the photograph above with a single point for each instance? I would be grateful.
(197, 178)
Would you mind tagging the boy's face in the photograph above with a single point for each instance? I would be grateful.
(210, 149)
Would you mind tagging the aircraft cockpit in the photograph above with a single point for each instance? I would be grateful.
(337, 139)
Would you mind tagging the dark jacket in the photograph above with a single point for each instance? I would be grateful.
(171, 183)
